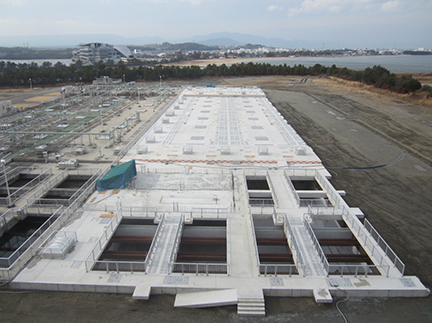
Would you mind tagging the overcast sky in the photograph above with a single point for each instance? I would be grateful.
(366, 23)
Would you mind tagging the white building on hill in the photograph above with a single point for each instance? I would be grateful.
(90, 53)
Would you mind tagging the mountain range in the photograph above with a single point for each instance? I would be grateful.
(221, 39)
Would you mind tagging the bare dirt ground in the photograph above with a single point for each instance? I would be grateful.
(396, 199)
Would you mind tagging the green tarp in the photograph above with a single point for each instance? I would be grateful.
(117, 177)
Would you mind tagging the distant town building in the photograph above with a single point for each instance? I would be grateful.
(90, 53)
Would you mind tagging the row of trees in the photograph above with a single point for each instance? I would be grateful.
(12, 74)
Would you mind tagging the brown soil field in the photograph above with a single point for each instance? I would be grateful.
(396, 199)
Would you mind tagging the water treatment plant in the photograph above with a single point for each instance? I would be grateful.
(215, 198)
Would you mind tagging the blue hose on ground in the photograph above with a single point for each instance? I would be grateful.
(372, 167)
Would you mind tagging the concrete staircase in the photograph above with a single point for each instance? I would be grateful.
(251, 306)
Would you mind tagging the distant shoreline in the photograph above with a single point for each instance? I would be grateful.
(220, 61)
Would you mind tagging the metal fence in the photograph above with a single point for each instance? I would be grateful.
(37, 197)
(261, 201)
(100, 207)
(344, 269)
(209, 213)
(92, 258)
(12, 264)
(368, 242)
(194, 268)
(176, 245)
(198, 268)
(43, 173)
(318, 202)
(272, 188)
(279, 269)
(318, 211)
(92, 262)
(262, 209)
(334, 197)
(292, 188)
(298, 258)
(141, 211)
(397, 262)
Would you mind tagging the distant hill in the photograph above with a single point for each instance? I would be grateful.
(221, 42)
(237, 39)
(215, 39)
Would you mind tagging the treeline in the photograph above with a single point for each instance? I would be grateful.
(12, 74)
(417, 52)
(14, 53)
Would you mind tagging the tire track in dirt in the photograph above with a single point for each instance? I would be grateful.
(397, 205)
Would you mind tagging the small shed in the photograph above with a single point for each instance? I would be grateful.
(118, 176)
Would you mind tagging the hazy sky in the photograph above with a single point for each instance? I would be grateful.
(367, 23)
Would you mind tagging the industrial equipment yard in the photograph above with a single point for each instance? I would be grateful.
(218, 194)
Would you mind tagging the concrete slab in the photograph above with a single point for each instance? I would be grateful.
(206, 298)
(322, 295)
(142, 292)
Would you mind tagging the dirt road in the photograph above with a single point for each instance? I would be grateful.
(345, 128)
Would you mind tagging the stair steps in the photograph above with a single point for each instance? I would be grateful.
(251, 306)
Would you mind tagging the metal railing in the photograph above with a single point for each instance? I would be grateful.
(295, 250)
(279, 269)
(176, 245)
(154, 243)
(292, 188)
(270, 269)
(7, 219)
(260, 202)
(262, 209)
(344, 269)
(317, 245)
(397, 262)
(331, 192)
(272, 188)
(100, 207)
(333, 198)
(92, 258)
(364, 238)
(36, 197)
(193, 268)
(228, 246)
(210, 213)
(320, 202)
(141, 211)
(318, 211)
(92, 262)
(254, 240)
(19, 258)
(43, 174)
(198, 268)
